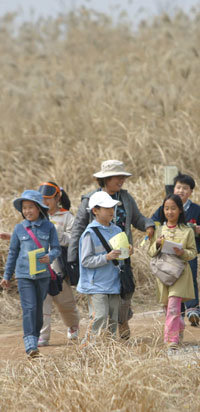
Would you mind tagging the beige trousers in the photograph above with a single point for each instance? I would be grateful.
(66, 305)
(103, 313)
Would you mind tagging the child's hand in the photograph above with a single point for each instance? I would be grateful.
(159, 242)
(150, 232)
(114, 254)
(179, 252)
(5, 236)
(44, 259)
(5, 284)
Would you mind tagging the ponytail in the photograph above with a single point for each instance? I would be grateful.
(64, 199)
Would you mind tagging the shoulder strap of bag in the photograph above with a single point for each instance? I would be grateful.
(104, 243)
(35, 239)
(38, 244)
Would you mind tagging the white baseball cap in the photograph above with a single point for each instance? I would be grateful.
(102, 199)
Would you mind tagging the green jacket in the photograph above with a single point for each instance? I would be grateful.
(183, 287)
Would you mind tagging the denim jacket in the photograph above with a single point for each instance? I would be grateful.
(21, 243)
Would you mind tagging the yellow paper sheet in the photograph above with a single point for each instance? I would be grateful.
(120, 242)
(34, 264)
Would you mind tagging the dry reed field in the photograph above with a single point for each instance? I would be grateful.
(77, 90)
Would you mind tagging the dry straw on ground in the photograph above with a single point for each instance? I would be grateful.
(76, 90)
(109, 376)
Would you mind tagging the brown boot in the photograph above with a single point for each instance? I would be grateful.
(124, 330)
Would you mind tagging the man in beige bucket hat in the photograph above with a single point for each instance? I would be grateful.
(111, 178)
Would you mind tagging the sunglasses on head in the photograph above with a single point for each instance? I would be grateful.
(49, 189)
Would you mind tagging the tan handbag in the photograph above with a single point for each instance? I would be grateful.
(168, 268)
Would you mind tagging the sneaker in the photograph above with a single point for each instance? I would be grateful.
(33, 353)
(43, 342)
(72, 333)
(193, 318)
(172, 346)
(124, 331)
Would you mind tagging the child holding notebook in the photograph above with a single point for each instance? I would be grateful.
(175, 230)
(32, 288)
(99, 277)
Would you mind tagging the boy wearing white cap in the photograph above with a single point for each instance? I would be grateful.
(99, 277)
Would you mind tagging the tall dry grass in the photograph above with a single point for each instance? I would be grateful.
(76, 90)
(109, 376)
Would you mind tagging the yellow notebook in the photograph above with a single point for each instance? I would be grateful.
(120, 241)
(34, 264)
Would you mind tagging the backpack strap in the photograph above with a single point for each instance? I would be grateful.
(104, 243)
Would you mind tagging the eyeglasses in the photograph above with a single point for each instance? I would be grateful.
(48, 189)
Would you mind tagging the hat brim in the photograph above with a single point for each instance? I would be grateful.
(18, 204)
(107, 206)
(110, 174)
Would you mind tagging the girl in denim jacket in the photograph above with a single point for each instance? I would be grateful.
(32, 288)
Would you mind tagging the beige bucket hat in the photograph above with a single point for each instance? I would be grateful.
(111, 168)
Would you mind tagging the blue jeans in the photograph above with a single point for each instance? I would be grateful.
(32, 294)
(193, 304)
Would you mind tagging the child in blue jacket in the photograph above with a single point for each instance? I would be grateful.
(99, 277)
(32, 288)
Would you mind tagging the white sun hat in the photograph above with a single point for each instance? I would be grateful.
(112, 168)
(102, 199)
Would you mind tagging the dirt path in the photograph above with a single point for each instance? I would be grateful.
(143, 326)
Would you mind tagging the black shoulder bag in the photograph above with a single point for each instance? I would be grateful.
(125, 272)
(70, 270)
